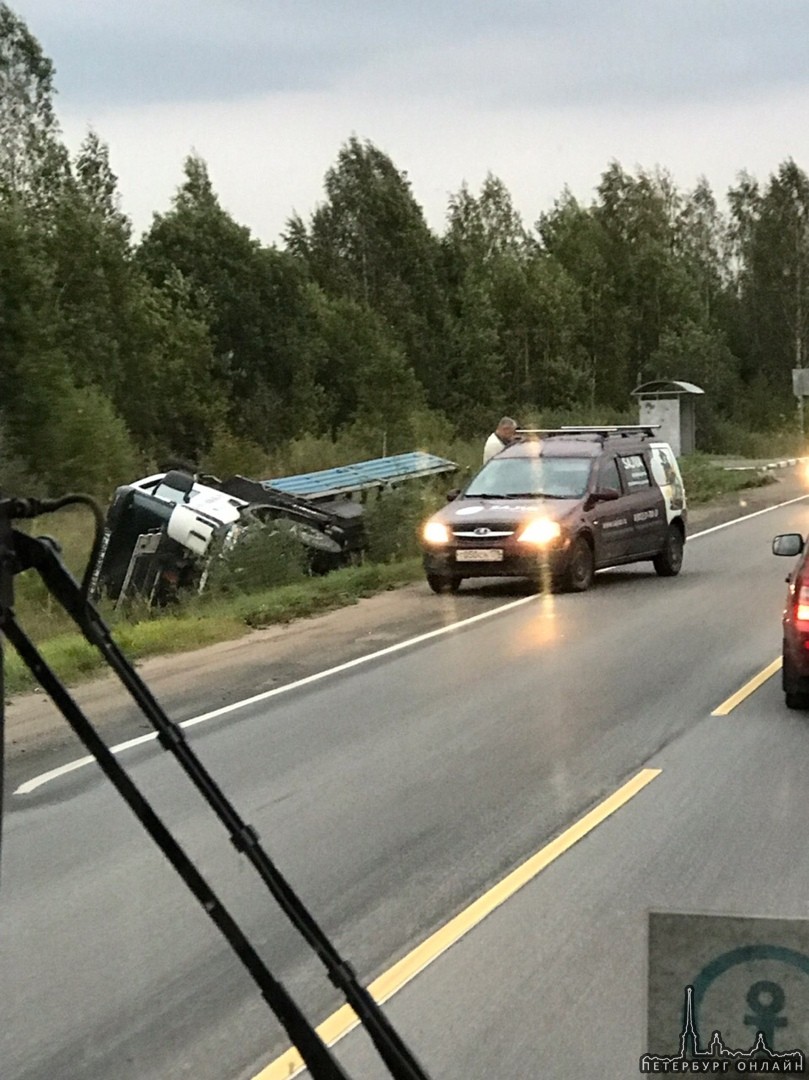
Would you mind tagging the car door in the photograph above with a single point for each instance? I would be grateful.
(645, 505)
(611, 521)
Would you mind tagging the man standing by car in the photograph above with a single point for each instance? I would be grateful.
(503, 435)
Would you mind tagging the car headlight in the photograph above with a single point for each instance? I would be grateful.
(540, 531)
(435, 532)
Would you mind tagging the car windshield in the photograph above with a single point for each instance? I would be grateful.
(536, 477)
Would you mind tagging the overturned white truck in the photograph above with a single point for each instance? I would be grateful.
(161, 531)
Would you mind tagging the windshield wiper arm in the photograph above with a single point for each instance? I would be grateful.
(19, 552)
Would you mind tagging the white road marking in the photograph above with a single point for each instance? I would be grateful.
(71, 766)
(746, 517)
(44, 778)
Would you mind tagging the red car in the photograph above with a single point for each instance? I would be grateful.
(795, 668)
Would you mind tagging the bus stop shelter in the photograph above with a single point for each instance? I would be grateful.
(669, 404)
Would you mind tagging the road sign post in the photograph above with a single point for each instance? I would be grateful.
(800, 388)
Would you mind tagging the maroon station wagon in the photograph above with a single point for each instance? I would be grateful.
(558, 505)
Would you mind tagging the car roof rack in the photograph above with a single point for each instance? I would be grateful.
(598, 430)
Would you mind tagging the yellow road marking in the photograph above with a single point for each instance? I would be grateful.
(729, 704)
(344, 1019)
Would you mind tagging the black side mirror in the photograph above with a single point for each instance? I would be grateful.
(790, 544)
(453, 495)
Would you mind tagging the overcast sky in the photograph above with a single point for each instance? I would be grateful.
(543, 93)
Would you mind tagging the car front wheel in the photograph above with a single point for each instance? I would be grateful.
(670, 560)
(580, 567)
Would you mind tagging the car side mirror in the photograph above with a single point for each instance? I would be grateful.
(453, 495)
(790, 544)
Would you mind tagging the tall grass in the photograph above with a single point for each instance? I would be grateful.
(72, 528)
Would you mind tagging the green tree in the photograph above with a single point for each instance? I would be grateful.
(86, 241)
(519, 310)
(369, 243)
(33, 161)
(487, 227)
(542, 324)
(249, 297)
(703, 246)
(646, 263)
(169, 392)
(485, 252)
(772, 235)
(363, 377)
(476, 387)
(574, 237)
(652, 291)
(50, 423)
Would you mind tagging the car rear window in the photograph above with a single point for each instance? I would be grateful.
(635, 471)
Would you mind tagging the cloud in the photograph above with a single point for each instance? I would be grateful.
(626, 53)
(502, 51)
(167, 50)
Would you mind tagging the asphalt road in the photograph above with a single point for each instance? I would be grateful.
(394, 794)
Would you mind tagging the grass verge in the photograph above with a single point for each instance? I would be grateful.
(705, 480)
(206, 623)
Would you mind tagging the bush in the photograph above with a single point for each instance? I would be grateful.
(92, 448)
(15, 477)
(232, 454)
(721, 436)
(424, 429)
(311, 453)
(393, 518)
(260, 556)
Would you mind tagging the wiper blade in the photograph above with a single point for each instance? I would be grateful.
(19, 551)
(487, 495)
(524, 495)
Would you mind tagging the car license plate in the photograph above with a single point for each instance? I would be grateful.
(479, 555)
